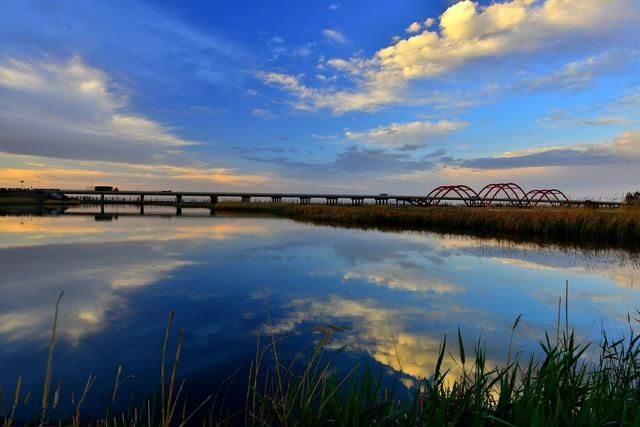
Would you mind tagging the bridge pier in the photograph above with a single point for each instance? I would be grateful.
(141, 209)
(276, 199)
(357, 201)
(102, 199)
(142, 199)
(178, 211)
(245, 199)
(214, 199)
(332, 201)
(305, 200)
(381, 201)
(179, 198)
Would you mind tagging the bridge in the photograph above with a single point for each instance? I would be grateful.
(497, 194)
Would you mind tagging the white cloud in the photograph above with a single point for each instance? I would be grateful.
(630, 100)
(577, 74)
(335, 36)
(70, 110)
(406, 135)
(413, 28)
(334, 6)
(560, 118)
(622, 150)
(468, 32)
(339, 101)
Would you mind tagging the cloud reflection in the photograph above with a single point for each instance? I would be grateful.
(382, 333)
(93, 276)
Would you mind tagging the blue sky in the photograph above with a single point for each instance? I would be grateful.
(321, 95)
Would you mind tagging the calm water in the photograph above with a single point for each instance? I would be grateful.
(121, 278)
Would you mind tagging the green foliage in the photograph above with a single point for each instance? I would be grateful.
(563, 387)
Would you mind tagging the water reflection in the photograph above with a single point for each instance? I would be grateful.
(398, 292)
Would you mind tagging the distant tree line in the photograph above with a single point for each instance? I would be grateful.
(632, 198)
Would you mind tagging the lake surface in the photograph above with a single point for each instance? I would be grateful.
(398, 293)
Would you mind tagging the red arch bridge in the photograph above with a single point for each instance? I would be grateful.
(496, 194)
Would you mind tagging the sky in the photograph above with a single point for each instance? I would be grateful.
(341, 95)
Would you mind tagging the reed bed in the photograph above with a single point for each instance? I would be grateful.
(621, 225)
(561, 387)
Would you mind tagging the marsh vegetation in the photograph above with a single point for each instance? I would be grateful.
(571, 382)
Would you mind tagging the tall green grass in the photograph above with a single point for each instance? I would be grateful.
(570, 383)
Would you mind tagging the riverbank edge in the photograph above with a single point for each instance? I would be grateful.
(561, 225)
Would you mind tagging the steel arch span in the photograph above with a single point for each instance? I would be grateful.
(509, 192)
(438, 194)
(548, 195)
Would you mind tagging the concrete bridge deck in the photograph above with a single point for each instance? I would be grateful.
(328, 198)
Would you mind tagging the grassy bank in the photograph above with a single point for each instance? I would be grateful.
(24, 201)
(560, 388)
(22, 197)
(556, 224)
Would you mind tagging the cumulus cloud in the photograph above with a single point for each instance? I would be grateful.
(335, 36)
(409, 135)
(467, 32)
(413, 28)
(70, 110)
(623, 150)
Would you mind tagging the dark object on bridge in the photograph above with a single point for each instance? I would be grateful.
(103, 188)
(632, 198)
